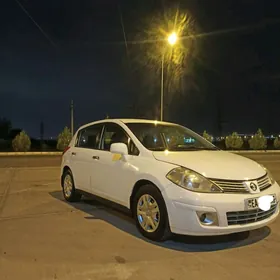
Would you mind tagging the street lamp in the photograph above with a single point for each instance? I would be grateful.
(172, 39)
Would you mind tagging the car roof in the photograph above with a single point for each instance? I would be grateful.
(125, 121)
(142, 121)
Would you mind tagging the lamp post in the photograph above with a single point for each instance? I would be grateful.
(172, 39)
(72, 117)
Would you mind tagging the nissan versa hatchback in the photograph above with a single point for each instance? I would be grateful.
(170, 178)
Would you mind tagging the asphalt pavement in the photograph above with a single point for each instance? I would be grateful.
(43, 237)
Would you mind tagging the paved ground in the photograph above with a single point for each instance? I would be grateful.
(42, 237)
(29, 161)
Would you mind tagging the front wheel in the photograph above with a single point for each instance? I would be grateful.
(68, 187)
(150, 213)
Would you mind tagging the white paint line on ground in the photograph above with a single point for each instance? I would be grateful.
(35, 188)
(103, 272)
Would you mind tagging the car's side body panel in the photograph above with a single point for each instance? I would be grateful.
(110, 178)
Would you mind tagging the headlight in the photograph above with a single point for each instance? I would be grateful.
(192, 181)
(272, 181)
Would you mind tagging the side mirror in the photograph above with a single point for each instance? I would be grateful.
(119, 148)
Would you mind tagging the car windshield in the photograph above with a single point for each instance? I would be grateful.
(160, 137)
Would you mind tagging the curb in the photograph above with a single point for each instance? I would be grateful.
(7, 154)
(256, 152)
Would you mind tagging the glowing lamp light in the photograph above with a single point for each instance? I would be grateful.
(172, 38)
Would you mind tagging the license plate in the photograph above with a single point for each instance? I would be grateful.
(252, 203)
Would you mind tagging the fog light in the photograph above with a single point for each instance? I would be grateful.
(208, 218)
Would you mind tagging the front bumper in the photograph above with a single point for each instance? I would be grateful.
(183, 205)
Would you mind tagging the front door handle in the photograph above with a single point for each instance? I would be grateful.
(95, 157)
(73, 154)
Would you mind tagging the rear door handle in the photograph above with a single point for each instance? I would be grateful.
(73, 154)
(95, 157)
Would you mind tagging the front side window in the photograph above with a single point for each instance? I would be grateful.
(160, 137)
(113, 133)
(89, 137)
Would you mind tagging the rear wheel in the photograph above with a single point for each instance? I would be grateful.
(68, 187)
(150, 213)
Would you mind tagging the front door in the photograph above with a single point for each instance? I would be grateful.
(112, 175)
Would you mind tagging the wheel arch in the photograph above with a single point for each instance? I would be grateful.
(140, 183)
(65, 168)
(166, 234)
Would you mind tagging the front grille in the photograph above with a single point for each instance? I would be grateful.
(239, 186)
(250, 216)
(231, 186)
(264, 183)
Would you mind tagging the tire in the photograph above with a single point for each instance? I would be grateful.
(69, 192)
(154, 225)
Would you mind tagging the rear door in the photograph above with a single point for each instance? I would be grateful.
(88, 140)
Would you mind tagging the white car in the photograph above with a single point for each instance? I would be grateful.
(170, 178)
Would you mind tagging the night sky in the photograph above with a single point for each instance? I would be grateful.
(82, 59)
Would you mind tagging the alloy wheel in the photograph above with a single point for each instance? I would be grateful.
(68, 185)
(148, 213)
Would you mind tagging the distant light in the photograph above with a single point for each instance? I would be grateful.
(189, 140)
(166, 152)
(172, 38)
(156, 122)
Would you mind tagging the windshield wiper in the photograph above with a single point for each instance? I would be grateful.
(192, 148)
(159, 149)
(208, 149)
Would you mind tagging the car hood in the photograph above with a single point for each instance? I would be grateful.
(215, 164)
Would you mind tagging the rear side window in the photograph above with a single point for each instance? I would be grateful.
(89, 137)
